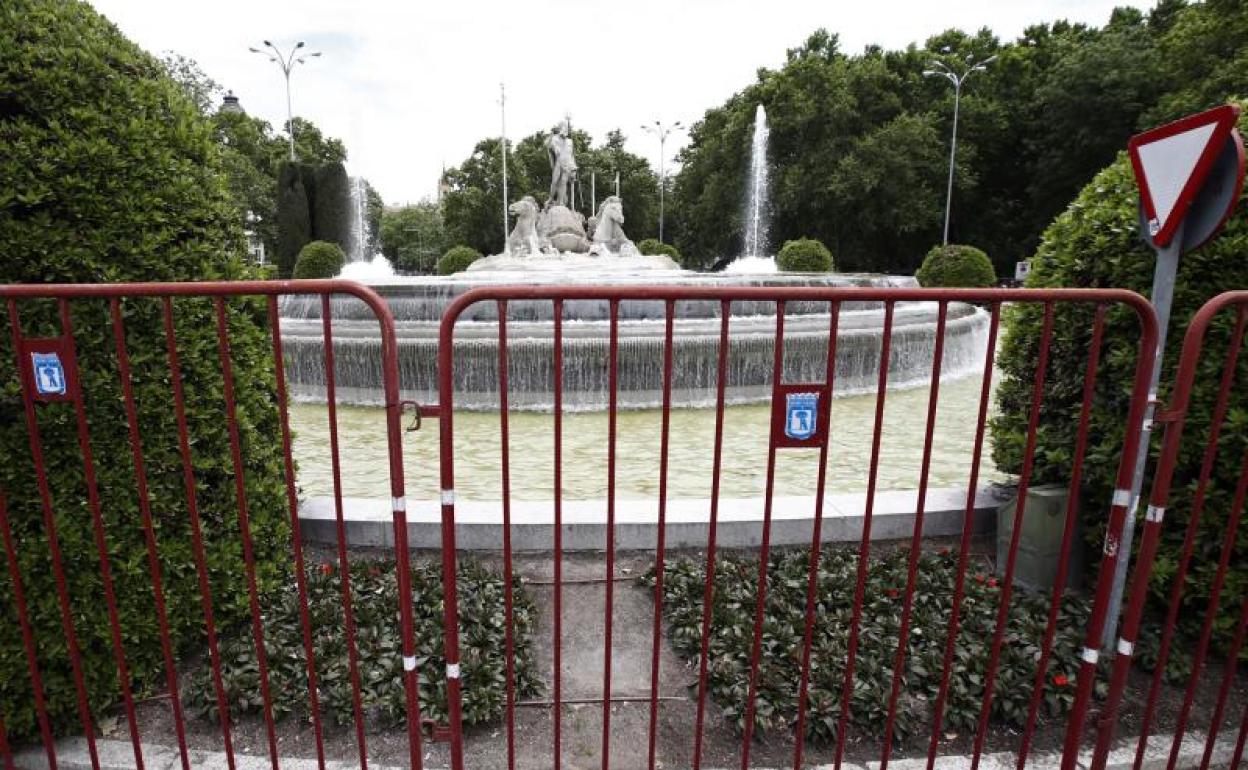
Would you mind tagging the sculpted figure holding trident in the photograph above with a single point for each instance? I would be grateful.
(562, 166)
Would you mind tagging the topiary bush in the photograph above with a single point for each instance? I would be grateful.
(804, 255)
(655, 247)
(374, 603)
(956, 266)
(319, 259)
(457, 258)
(294, 218)
(331, 204)
(107, 173)
(1096, 243)
(732, 638)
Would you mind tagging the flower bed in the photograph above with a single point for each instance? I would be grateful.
(732, 638)
(374, 600)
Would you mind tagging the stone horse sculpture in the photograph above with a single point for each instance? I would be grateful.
(609, 237)
(524, 240)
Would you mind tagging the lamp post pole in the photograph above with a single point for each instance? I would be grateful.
(662, 132)
(502, 108)
(287, 62)
(940, 69)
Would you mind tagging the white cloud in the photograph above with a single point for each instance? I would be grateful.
(412, 85)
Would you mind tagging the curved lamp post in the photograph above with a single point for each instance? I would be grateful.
(662, 132)
(940, 69)
(287, 62)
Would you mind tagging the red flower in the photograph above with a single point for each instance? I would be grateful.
(327, 568)
(1061, 680)
(979, 578)
(944, 551)
(992, 582)
(893, 593)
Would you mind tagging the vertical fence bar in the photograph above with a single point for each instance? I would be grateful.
(558, 491)
(1228, 679)
(708, 597)
(613, 385)
(244, 523)
(916, 538)
(1220, 407)
(97, 529)
(450, 593)
(296, 536)
(1068, 533)
(344, 564)
(661, 534)
(764, 552)
(1211, 614)
(508, 597)
(149, 534)
(6, 753)
(864, 548)
(54, 548)
(197, 537)
(1239, 742)
(968, 527)
(1007, 582)
(28, 637)
(816, 542)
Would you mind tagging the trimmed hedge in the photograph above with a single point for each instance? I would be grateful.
(1096, 243)
(457, 258)
(804, 255)
(294, 218)
(374, 603)
(108, 173)
(655, 247)
(732, 638)
(331, 204)
(956, 266)
(319, 259)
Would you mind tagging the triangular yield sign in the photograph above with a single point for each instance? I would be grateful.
(1171, 163)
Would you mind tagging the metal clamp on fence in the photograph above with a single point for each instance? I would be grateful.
(419, 412)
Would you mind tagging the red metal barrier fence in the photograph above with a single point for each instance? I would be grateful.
(48, 368)
(1098, 304)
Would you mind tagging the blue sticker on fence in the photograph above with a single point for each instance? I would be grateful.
(800, 422)
(49, 374)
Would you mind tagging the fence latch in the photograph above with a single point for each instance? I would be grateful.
(432, 411)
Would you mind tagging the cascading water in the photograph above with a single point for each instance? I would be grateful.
(361, 265)
(757, 213)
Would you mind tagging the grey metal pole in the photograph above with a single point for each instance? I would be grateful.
(662, 182)
(290, 116)
(593, 192)
(953, 152)
(502, 106)
(1162, 297)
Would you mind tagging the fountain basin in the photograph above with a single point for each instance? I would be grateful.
(418, 304)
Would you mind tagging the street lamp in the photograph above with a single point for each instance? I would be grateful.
(944, 71)
(661, 131)
(287, 63)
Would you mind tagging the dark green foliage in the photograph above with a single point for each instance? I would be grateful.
(456, 259)
(374, 603)
(412, 237)
(108, 173)
(784, 623)
(657, 247)
(1096, 243)
(331, 218)
(804, 255)
(319, 259)
(956, 266)
(294, 220)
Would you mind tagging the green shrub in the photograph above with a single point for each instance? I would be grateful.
(107, 173)
(732, 639)
(319, 259)
(805, 255)
(457, 258)
(294, 219)
(654, 246)
(375, 596)
(1096, 243)
(331, 204)
(956, 266)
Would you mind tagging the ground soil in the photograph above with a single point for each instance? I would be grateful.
(631, 658)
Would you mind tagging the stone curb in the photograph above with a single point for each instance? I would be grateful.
(71, 754)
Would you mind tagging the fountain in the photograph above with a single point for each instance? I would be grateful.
(361, 265)
(756, 214)
(555, 244)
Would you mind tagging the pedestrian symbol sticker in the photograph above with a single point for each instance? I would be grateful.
(49, 374)
(800, 412)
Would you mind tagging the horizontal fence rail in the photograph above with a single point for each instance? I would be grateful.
(842, 715)
(193, 338)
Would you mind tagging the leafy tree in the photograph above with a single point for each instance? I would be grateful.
(312, 146)
(294, 218)
(319, 259)
(413, 237)
(331, 205)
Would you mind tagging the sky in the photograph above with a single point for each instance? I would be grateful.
(411, 85)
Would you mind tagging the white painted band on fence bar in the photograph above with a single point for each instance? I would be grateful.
(409, 662)
(448, 497)
(399, 504)
(1122, 497)
(1155, 513)
(1125, 648)
(1090, 655)
(452, 671)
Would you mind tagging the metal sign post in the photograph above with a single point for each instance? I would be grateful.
(1190, 174)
